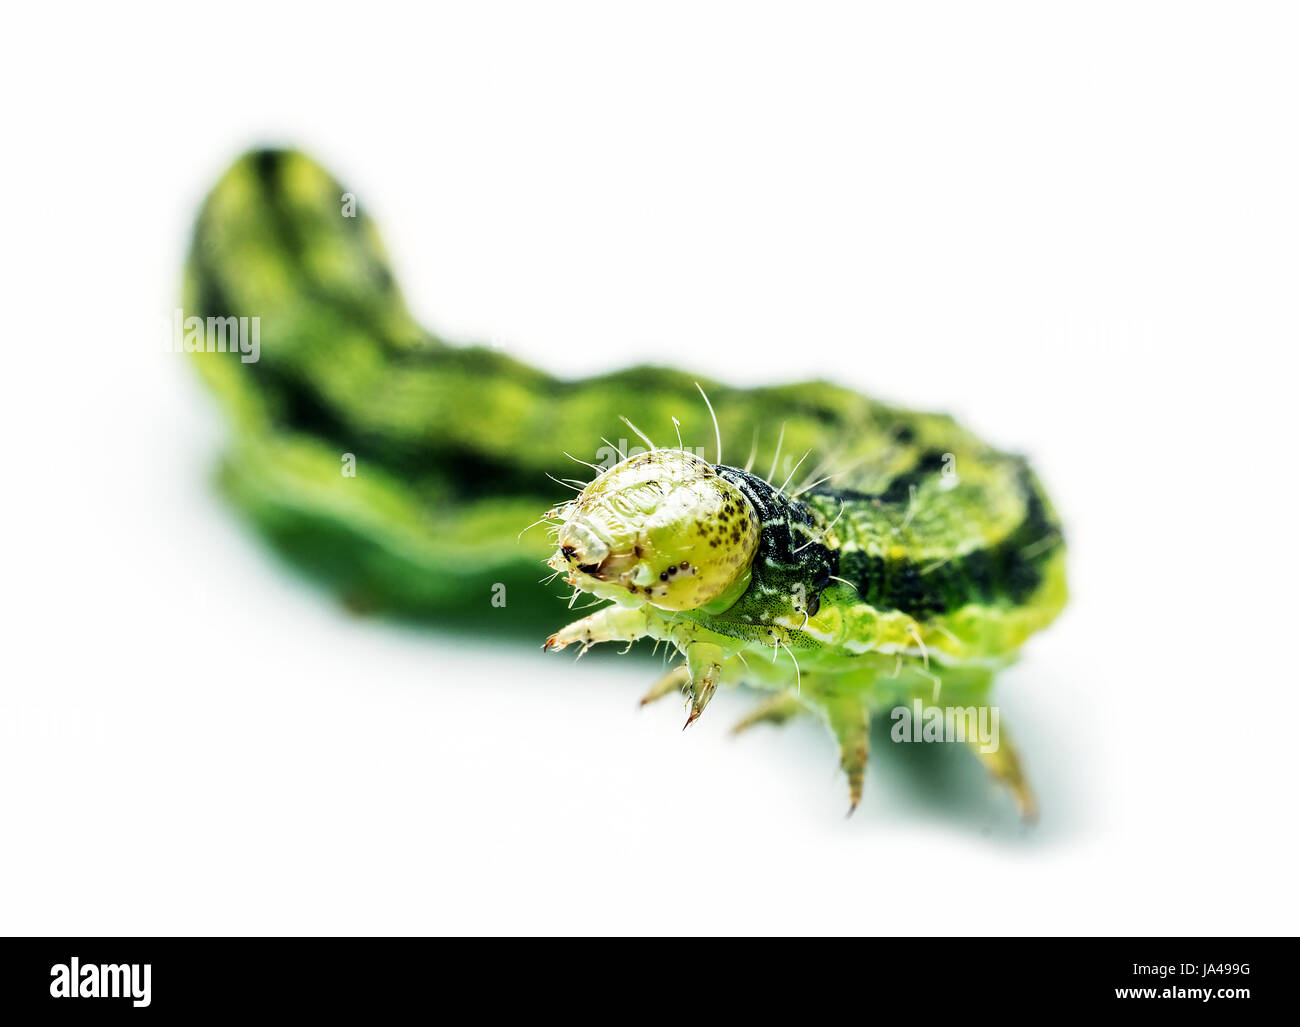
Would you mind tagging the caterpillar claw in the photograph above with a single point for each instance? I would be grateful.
(847, 717)
(704, 663)
(612, 624)
(1003, 765)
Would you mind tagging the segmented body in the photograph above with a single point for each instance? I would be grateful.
(920, 567)
(903, 582)
(941, 559)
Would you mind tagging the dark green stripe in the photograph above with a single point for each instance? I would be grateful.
(986, 575)
(899, 490)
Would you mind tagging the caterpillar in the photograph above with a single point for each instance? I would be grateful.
(893, 556)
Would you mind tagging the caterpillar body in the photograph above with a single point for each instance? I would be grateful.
(900, 558)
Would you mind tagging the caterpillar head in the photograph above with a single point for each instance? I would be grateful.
(663, 527)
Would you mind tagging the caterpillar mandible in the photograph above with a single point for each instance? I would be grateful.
(910, 562)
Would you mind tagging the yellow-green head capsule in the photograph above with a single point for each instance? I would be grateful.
(663, 527)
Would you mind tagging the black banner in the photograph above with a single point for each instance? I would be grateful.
(159, 978)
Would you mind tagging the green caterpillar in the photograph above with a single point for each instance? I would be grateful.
(914, 570)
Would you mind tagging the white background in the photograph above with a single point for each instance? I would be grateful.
(1077, 227)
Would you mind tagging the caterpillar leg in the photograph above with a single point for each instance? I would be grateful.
(848, 720)
(1003, 764)
(703, 668)
(612, 624)
(674, 681)
(704, 663)
(775, 710)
